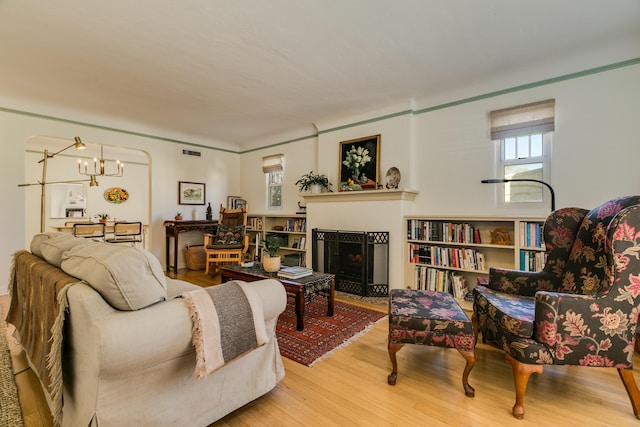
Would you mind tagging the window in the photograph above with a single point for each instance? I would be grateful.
(274, 186)
(273, 167)
(525, 134)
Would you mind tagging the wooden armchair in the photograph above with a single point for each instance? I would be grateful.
(230, 242)
(582, 309)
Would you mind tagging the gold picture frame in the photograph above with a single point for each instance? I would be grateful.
(371, 170)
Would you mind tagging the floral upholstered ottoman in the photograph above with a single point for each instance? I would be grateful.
(429, 318)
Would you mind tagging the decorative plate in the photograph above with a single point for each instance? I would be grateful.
(116, 195)
(393, 177)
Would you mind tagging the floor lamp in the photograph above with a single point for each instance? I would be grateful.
(79, 145)
(502, 180)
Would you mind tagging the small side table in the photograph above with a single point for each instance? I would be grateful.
(174, 228)
(418, 317)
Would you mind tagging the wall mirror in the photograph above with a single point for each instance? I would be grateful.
(68, 201)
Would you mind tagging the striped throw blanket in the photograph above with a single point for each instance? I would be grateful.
(228, 321)
(38, 302)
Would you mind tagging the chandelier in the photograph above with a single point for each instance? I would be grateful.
(99, 168)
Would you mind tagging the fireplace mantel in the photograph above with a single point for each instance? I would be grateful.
(362, 195)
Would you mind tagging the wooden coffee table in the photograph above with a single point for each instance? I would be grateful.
(303, 290)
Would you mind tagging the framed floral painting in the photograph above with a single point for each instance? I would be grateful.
(360, 163)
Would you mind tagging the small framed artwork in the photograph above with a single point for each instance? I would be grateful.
(191, 193)
(239, 203)
(360, 162)
(231, 201)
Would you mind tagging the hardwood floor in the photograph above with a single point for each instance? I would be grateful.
(350, 388)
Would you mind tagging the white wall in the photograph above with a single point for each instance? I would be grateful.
(443, 153)
(219, 169)
(299, 158)
(594, 155)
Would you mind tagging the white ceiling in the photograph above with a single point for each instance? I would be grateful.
(240, 71)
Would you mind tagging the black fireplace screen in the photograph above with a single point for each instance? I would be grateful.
(359, 259)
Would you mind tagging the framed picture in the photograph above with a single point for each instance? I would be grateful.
(239, 203)
(231, 201)
(362, 157)
(191, 193)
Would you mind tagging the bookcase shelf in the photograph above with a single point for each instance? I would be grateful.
(451, 253)
(292, 230)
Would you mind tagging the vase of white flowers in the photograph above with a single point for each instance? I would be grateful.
(355, 159)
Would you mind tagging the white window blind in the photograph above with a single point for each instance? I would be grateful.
(537, 117)
(273, 163)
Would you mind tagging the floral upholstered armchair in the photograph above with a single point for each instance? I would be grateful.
(581, 309)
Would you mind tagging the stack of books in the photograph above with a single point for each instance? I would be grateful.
(294, 272)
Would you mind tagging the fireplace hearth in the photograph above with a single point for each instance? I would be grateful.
(359, 259)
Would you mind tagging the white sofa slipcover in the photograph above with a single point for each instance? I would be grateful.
(137, 367)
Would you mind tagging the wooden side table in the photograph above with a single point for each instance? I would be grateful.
(174, 228)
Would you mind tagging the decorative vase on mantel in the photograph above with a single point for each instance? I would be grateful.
(270, 264)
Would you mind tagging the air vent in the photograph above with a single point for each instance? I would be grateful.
(191, 153)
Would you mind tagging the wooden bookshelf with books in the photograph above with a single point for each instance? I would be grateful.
(450, 253)
(291, 231)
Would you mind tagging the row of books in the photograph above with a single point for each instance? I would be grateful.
(531, 235)
(468, 259)
(433, 279)
(297, 225)
(294, 272)
(300, 243)
(255, 223)
(532, 260)
(443, 231)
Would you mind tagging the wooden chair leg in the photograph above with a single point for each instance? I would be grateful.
(393, 349)
(470, 357)
(474, 324)
(626, 375)
(521, 373)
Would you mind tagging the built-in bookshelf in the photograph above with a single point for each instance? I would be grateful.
(291, 230)
(450, 254)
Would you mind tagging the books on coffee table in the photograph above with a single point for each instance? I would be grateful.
(294, 272)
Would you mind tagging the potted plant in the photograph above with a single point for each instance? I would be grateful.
(313, 182)
(271, 260)
(103, 217)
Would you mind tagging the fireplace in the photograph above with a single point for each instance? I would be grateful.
(359, 259)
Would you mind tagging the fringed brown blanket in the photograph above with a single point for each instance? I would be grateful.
(38, 303)
(228, 321)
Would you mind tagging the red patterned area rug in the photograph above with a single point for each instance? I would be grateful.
(322, 334)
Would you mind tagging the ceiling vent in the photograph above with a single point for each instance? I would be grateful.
(191, 153)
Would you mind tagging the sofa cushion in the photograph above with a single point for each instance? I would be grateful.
(53, 248)
(514, 313)
(37, 240)
(128, 278)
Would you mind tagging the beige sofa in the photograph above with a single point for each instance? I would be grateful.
(132, 365)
